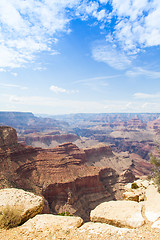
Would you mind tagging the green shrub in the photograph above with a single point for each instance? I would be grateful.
(10, 216)
(65, 214)
(134, 185)
(156, 168)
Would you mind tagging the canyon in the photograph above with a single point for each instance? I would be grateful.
(78, 161)
(61, 174)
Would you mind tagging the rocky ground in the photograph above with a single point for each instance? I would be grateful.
(52, 227)
(144, 232)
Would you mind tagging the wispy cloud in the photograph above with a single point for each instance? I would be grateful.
(13, 86)
(57, 90)
(141, 71)
(96, 84)
(14, 74)
(110, 55)
(96, 79)
(146, 96)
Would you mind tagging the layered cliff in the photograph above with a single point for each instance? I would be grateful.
(60, 174)
(23, 121)
(154, 124)
(48, 140)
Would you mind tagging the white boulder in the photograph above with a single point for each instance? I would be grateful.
(30, 204)
(118, 213)
(42, 222)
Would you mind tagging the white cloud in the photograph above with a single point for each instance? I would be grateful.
(2, 70)
(138, 23)
(136, 27)
(57, 90)
(86, 9)
(99, 15)
(29, 27)
(141, 71)
(13, 86)
(147, 96)
(104, 1)
(111, 56)
(86, 80)
(14, 74)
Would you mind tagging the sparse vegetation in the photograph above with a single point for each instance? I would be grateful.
(65, 214)
(10, 216)
(155, 160)
(134, 185)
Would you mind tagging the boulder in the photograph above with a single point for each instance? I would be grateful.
(30, 204)
(119, 214)
(102, 228)
(42, 222)
(132, 196)
(137, 195)
(136, 191)
(127, 187)
(156, 224)
(152, 206)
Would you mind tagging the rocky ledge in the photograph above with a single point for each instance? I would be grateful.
(109, 220)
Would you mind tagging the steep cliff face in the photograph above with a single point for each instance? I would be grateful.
(60, 174)
(99, 150)
(48, 140)
(81, 195)
(8, 136)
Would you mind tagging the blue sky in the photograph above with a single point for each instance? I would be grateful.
(71, 56)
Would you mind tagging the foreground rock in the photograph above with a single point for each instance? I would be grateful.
(102, 228)
(147, 193)
(136, 191)
(118, 213)
(156, 224)
(43, 221)
(152, 204)
(30, 204)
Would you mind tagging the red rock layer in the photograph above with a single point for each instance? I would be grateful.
(47, 139)
(60, 174)
(55, 173)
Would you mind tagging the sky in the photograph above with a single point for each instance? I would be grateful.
(80, 56)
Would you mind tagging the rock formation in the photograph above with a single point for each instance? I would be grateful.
(109, 220)
(42, 221)
(30, 204)
(60, 174)
(48, 140)
(154, 124)
(119, 214)
(8, 136)
(22, 121)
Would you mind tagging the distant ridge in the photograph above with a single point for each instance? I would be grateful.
(27, 120)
